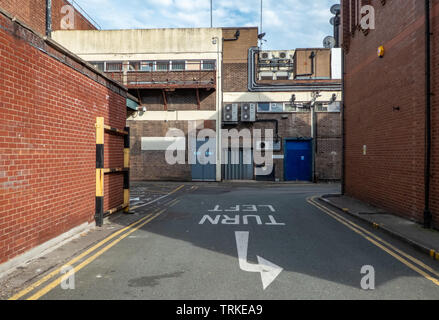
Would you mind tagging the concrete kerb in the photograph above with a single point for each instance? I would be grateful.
(414, 244)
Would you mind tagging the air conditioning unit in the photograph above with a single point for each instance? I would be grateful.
(230, 113)
(283, 55)
(265, 55)
(248, 112)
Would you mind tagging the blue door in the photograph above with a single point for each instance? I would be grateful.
(298, 160)
(204, 172)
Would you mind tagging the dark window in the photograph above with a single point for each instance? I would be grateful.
(208, 65)
(263, 107)
(178, 65)
(162, 65)
(99, 65)
(114, 66)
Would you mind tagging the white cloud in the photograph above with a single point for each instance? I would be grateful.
(288, 23)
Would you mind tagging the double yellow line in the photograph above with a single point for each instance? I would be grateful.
(411, 262)
(131, 228)
(119, 235)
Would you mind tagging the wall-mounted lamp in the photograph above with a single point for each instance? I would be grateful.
(381, 51)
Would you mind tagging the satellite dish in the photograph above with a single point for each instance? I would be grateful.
(335, 9)
(332, 21)
(329, 42)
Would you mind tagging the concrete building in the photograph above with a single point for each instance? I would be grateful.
(191, 77)
(392, 107)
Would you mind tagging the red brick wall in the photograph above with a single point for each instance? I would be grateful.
(435, 113)
(48, 111)
(33, 13)
(391, 175)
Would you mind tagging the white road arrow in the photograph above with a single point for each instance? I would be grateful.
(269, 271)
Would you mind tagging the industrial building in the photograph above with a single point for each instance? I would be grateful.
(184, 76)
(391, 124)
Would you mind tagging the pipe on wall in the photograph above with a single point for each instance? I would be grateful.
(49, 18)
(427, 212)
(254, 87)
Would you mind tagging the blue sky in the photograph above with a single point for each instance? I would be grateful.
(289, 24)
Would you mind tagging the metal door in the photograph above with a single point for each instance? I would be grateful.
(298, 160)
(239, 165)
(204, 172)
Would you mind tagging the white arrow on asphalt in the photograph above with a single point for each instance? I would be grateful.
(268, 270)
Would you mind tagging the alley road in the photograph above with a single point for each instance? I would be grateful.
(247, 241)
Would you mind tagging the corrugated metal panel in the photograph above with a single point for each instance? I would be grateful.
(238, 167)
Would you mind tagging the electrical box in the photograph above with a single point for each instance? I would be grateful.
(248, 112)
(230, 113)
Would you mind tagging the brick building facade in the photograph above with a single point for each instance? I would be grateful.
(323, 128)
(49, 101)
(193, 75)
(385, 107)
(33, 13)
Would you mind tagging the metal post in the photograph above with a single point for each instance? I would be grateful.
(126, 177)
(99, 209)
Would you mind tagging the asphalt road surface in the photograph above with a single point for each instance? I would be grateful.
(248, 241)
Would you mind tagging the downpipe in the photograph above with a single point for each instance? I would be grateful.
(427, 211)
(49, 18)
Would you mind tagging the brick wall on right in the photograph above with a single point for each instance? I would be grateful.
(385, 110)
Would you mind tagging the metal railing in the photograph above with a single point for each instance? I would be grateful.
(192, 75)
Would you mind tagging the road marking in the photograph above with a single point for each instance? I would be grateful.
(174, 203)
(56, 282)
(155, 200)
(369, 235)
(268, 270)
(71, 262)
(418, 262)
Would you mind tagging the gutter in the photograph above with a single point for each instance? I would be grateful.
(255, 87)
(427, 212)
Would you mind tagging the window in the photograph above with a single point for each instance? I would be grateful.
(134, 66)
(263, 107)
(162, 65)
(320, 107)
(290, 107)
(270, 107)
(113, 66)
(98, 65)
(178, 65)
(208, 65)
(147, 66)
(277, 107)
